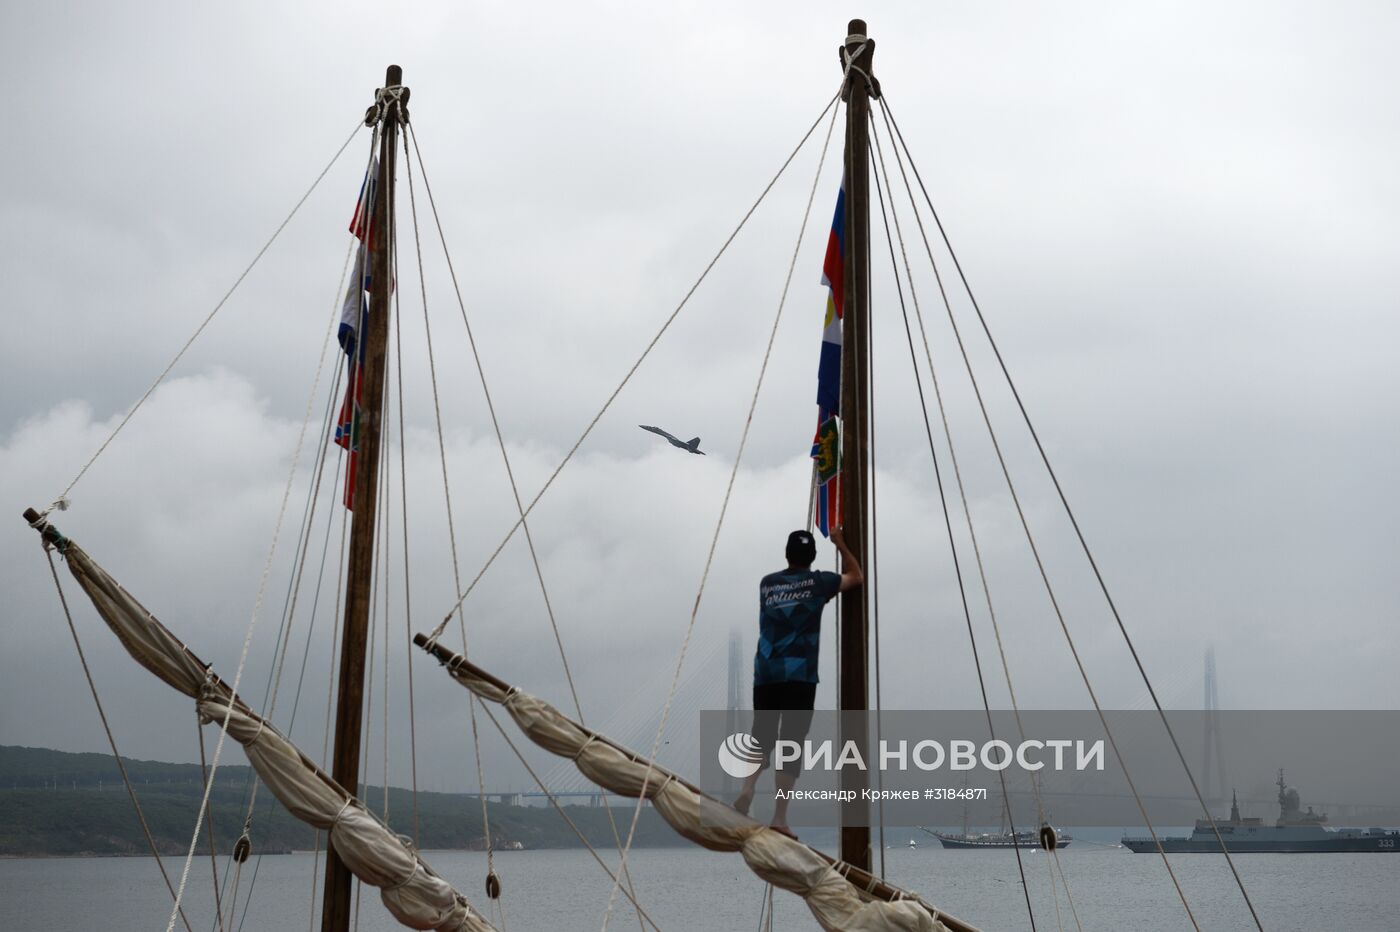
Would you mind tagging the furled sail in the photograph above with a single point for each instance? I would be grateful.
(841, 897)
(412, 892)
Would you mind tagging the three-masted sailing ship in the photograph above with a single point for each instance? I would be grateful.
(843, 893)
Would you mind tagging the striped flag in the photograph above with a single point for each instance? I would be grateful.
(354, 318)
(826, 445)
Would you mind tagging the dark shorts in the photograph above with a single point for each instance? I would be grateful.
(782, 710)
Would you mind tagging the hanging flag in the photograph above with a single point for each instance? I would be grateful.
(826, 445)
(354, 319)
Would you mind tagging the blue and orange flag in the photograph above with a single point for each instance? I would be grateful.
(354, 318)
(826, 446)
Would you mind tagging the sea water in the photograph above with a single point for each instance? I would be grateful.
(689, 888)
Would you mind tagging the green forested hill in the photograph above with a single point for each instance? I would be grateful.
(56, 803)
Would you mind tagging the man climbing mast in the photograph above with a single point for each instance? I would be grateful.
(785, 665)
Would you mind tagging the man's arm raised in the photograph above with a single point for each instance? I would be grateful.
(851, 575)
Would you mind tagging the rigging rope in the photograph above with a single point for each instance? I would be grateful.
(407, 599)
(262, 583)
(112, 741)
(437, 632)
(873, 568)
(217, 307)
(947, 518)
(289, 604)
(957, 473)
(1026, 527)
(213, 856)
(724, 506)
(447, 497)
(554, 801)
(496, 427)
(1074, 522)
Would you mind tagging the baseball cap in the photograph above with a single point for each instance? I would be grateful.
(801, 548)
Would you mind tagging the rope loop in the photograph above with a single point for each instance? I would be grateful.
(584, 747)
(401, 883)
(670, 778)
(350, 801)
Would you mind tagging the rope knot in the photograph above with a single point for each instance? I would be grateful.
(392, 96)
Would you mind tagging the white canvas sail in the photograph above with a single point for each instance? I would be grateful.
(415, 895)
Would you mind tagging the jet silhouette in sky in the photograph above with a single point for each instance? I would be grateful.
(692, 446)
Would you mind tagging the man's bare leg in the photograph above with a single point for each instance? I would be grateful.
(784, 781)
(744, 800)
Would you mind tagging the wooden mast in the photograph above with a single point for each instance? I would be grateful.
(345, 766)
(855, 434)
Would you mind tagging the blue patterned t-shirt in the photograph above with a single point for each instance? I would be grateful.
(790, 624)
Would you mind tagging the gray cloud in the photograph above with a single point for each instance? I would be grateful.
(1181, 237)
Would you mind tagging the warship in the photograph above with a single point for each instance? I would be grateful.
(999, 840)
(1295, 832)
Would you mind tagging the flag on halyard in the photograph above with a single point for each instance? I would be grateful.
(354, 318)
(826, 446)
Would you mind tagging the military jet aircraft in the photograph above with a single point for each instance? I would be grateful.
(691, 446)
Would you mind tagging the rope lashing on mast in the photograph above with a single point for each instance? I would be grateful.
(840, 896)
(411, 891)
(385, 97)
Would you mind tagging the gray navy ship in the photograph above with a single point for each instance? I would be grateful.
(1294, 832)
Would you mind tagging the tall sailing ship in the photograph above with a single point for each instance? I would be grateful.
(842, 892)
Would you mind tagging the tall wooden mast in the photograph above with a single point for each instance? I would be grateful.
(859, 52)
(345, 766)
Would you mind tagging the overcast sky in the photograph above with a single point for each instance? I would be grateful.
(1180, 223)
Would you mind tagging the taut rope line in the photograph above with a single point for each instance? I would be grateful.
(1035, 552)
(500, 438)
(111, 741)
(437, 632)
(724, 508)
(447, 498)
(217, 307)
(1074, 522)
(943, 502)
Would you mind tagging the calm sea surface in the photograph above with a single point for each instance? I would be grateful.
(687, 888)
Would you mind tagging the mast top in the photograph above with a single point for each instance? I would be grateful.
(393, 92)
(858, 54)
